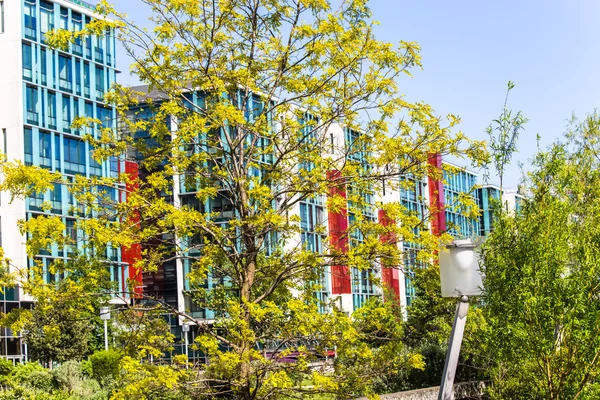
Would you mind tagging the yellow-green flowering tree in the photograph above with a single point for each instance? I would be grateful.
(242, 95)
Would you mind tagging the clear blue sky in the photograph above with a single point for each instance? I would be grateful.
(550, 49)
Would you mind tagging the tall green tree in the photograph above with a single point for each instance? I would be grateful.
(242, 95)
(541, 269)
(503, 135)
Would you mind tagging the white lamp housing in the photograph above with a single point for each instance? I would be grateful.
(459, 269)
(104, 313)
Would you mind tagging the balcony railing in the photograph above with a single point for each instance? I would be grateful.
(30, 33)
(52, 122)
(32, 117)
(65, 85)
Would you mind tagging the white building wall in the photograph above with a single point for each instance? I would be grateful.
(11, 129)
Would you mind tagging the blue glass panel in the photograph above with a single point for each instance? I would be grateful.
(30, 20)
(27, 62)
(28, 146)
(65, 76)
(45, 150)
(31, 103)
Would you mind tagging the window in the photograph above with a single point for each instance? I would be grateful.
(114, 167)
(99, 83)
(1, 17)
(36, 201)
(56, 198)
(46, 18)
(66, 113)
(71, 229)
(31, 100)
(28, 146)
(88, 40)
(95, 167)
(86, 79)
(109, 41)
(57, 152)
(30, 20)
(105, 115)
(43, 65)
(89, 113)
(64, 18)
(78, 77)
(74, 152)
(45, 149)
(64, 73)
(51, 109)
(75, 113)
(27, 61)
(77, 26)
(98, 52)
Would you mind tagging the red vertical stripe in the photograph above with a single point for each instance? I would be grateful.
(436, 197)
(132, 254)
(389, 273)
(341, 282)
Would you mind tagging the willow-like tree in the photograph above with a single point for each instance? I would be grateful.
(541, 269)
(241, 98)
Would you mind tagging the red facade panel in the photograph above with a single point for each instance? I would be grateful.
(436, 198)
(389, 274)
(132, 254)
(341, 282)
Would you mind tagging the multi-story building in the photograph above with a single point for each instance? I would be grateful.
(41, 91)
(458, 184)
(414, 196)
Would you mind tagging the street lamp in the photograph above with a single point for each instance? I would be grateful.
(105, 316)
(185, 328)
(460, 277)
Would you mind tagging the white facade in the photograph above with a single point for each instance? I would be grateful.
(11, 128)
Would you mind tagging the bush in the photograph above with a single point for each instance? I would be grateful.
(40, 380)
(105, 365)
(68, 375)
(6, 366)
(86, 368)
(21, 372)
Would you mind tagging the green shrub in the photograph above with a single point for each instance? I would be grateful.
(6, 366)
(90, 390)
(68, 375)
(105, 365)
(40, 380)
(21, 372)
(86, 368)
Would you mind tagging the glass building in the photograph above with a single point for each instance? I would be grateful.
(487, 195)
(457, 185)
(42, 90)
(413, 198)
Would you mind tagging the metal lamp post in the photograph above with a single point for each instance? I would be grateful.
(185, 328)
(460, 277)
(105, 316)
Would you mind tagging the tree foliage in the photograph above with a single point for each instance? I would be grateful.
(503, 134)
(541, 278)
(241, 98)
(56, 333)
